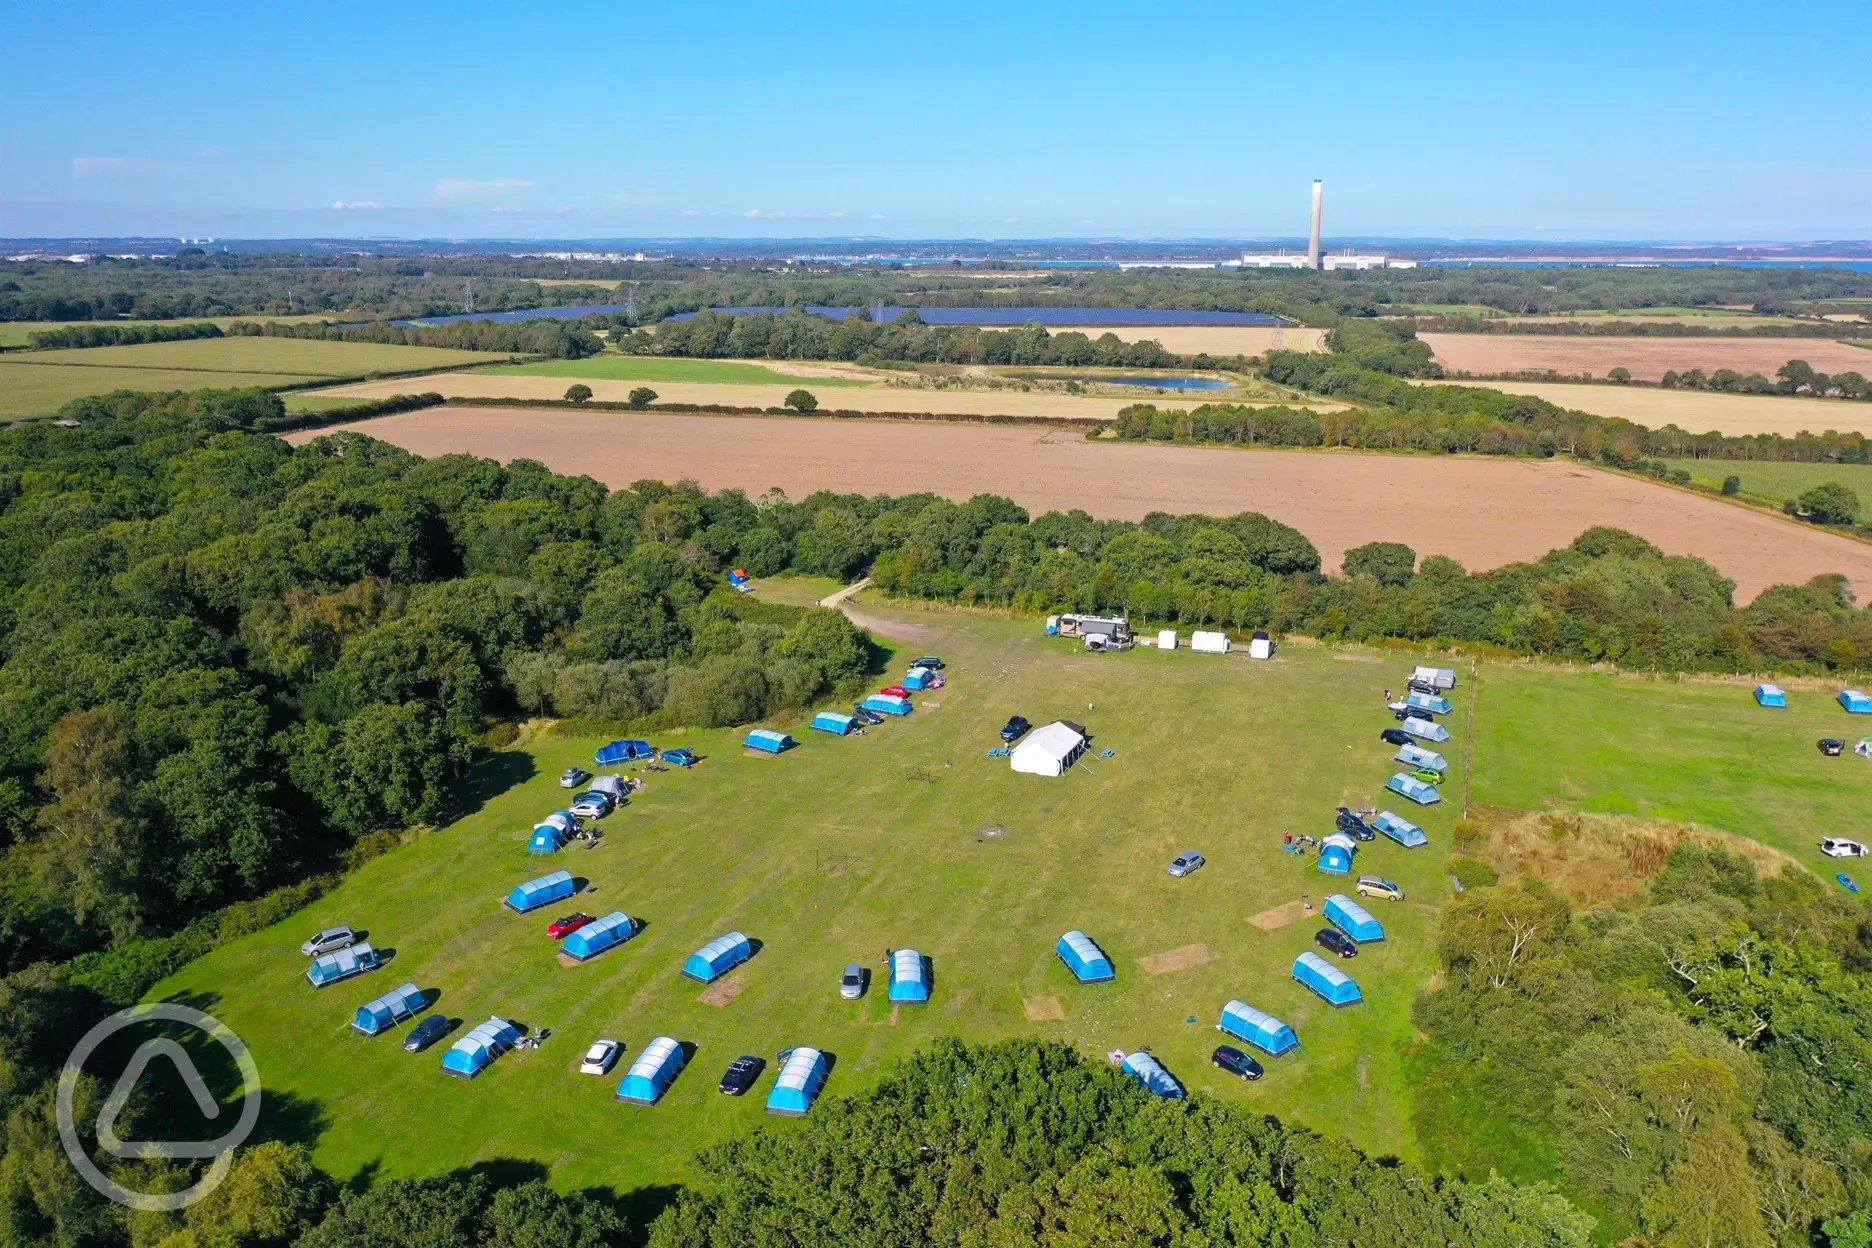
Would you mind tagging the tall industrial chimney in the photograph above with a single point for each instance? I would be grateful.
(1313, 254)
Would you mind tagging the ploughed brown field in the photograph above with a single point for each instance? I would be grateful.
(1482, 512)
(1647, 358)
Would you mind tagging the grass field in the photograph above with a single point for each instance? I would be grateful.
(840, 848)
(613, 367)
(39, 389)
(1697, 411)
(1776, 482)
(19, 333)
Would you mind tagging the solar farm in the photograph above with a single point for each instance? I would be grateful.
(983, 902)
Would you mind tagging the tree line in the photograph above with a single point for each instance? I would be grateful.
(1633, 328)
(548, 336)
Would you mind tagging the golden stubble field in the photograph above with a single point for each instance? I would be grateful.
(1647, 358)
(1695, 410)
(1485, 512)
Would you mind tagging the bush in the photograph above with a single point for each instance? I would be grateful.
(642, 397)
(1472, 872)
(802, 401)
(1830, 503)
(578, 392)
(1731, 486)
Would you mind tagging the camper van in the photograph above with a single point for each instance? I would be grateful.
(1101, 632)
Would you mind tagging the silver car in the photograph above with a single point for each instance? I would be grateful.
(852, 982)
(1186, 862)
(328, 941)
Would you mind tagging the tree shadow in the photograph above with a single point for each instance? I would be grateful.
(292, 1119)
(493, 775)
(640, 1206)
(508, 1171)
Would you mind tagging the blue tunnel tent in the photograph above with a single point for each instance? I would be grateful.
(599, 935)
(1400, 829)
(1417, 756)
(1084, 958)
(1331, 983)
(1148, 1071)
(343, 964)
(802, 1074)
(1770, 695)
(834, 722)
(1352, 919)
(390, 1009)
(1425, 729)
(1434, 703)
(1336, 851)
(1855, 702)
(653, 1071)
(768, 741)
(909, 978)
(474, 1052)
(1264, 1031)
(1416, 790)
(547, 838)
(544, 891)
(612, 753)
(718, 957)
(919, 678)
(887, 704)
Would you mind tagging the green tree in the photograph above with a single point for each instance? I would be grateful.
(578, 392)
(92, 838)
(1731, 486)
(642, 397)
(388, 766)
(802, 401)
(1830, 503)
(271, 1195)
(1620, 374)
(1388, 563)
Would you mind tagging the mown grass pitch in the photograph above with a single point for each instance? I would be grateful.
(840, 848)
(613, 367)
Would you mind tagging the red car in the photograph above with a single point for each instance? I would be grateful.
(565, 925)
(895, 691)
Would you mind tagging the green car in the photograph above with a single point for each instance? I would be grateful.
(1427, 776)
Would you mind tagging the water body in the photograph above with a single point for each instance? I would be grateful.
(1042, 316)
(1169, 383)
(1860, 266)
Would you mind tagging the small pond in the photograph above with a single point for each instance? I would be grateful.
(1170, 383)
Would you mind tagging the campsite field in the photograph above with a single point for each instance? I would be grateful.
(1697, 411)
(1775, 483)
(1647, 358)
(612, 366)
(1511, 509)
(908, 837)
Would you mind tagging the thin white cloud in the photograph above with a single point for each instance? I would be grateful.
(478, 188)
(877, 216)
(690, 212)
(92, 166)
(752, 213)
(354, 205)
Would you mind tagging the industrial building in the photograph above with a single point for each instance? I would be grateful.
(1313, 259)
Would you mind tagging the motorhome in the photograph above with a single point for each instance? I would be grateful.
(1101, 632)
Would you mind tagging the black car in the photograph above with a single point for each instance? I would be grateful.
(930, 661)
(425, 1033)
(1337, 941)
(1424, 687)
(1831, 746)
(1395, 736)
(1235, 1062)
(867, 717)
(741, 1074)
(1015, 728)
(1352, 825)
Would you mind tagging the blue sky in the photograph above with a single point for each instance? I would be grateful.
(577, 120)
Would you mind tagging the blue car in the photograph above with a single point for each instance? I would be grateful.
(682, 756)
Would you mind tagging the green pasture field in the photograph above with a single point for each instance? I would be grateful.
(19, 333)
(616, 367)
(840, 848)
(1777, 482)
(40, 389)
(304, 357)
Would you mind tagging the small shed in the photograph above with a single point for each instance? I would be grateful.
(1262, 1030)
(886, 704)
(1209, 643)
(653, 1071)
(909, 978)
(802, 1074)
(1400, 829)
(718, 957)
(1336, 851)
(1084, 958)
(1332, 984)
(1437, 677)
(547, 838)
(615, 753)
(833, 722)
(1417, 756)
(1352, 919)
(343, 964)
(389, 1010)
(1049, 751)
(599, 935)
(769, 741)
(1425, 729)
(541, 892)
(1770, 695)
(474, 1052)
(1166, 639)
(921, 678)
(1260, 646)
(1416, 790)
(1149, 1072)
(1855, 702)
(1436, 704)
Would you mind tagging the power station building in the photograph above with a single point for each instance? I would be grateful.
(1313, 259)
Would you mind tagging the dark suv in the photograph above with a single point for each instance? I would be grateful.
(1231, 1059)
(1337, 941)
(1015, 728)
(741, 1074)
(1352, 825)
(1395, 736)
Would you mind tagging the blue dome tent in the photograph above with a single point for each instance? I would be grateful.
(1148, 1071)
(545, 890)
(1262, 1030)
(909, 981)
(472, 1054)
(718, 957)
(390, 1009)
(834, 722)
(1770, 695)
(653, 1071)
(1352, 919)
(1425, 730)
(1430, 702)
(343, 964)
(887, 704)
(1417, 756)
(1855, 702)
(547, 838)
(1401, 830)
(1409, 786)
(802, 1074)
(613, 753)
(1084, 958)
(769, 741)
(1332, 984)
(599, 935)
(1335, 854)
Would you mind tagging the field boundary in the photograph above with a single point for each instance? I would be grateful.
(1085, 423)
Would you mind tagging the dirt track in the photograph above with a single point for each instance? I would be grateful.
(1482, 512)
(1647, 358)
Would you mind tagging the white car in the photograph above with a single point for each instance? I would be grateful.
(1840, 847)
(333, 939)
(600, 1058)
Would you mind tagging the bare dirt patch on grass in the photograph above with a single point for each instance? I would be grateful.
(1180, 959)
(1500, 511)
(722, 991)
(1043, 1010)
(1647, 358)
(1280, 916)
(1698, 411)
